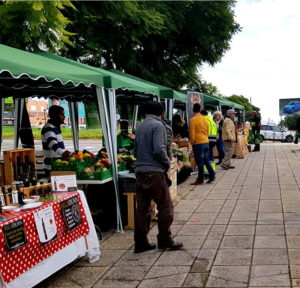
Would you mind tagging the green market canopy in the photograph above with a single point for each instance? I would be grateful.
(164, 92)
(219, 101)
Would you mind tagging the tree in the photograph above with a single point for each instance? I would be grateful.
(290, 121)
(32, 25)
(160, 41)
(240, 99)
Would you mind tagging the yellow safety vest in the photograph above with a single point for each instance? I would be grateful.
(212, 125)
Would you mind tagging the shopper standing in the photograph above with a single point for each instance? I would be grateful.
(229, 137)
(297, 135)
(212, 133)
(151, 178)
(53, 144)
(255, 125)
(218, 118)
(199, 129)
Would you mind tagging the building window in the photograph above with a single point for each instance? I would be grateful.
(42, 108)
(33, 108)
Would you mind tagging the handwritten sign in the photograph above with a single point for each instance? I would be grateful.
(71, 213)
(14, 234)
(45, 224)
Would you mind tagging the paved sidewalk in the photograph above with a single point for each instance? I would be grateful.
(241, 231)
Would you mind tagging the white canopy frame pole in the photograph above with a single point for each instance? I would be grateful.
(73, 109)
(18, 114)
(112, 99)
(2, 103)
(170, 109)
(135, 116)
(106, 128)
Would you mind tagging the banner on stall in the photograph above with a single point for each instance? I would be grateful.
(45, 224)
(14, 234)
(193, 98)
(71, 213)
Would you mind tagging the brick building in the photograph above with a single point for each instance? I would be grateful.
(38, 112)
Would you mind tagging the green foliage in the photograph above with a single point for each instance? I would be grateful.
(240, 99)
(160, 41)
(179, 155)
(290, 121)
(31, 25)
(8, 133)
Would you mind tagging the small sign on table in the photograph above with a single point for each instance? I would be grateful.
(63, 181)
(14, 234)
(71, 213)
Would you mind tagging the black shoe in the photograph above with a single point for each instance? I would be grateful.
(197, 182)
(172, 246)
(231, 167)
(224, 167)
(210, 180)
(219, 163)
(143, 248)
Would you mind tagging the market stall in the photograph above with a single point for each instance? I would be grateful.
(24, 74)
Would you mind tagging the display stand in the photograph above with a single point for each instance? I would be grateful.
(85, 246)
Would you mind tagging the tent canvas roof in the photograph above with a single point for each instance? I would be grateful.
(111, 80)
(164, 92)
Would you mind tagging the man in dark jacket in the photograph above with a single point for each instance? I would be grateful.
(151, 168)
(218, 118)
(297, 135)
(255, 125)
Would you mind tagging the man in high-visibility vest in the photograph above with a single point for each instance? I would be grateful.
(212, 134)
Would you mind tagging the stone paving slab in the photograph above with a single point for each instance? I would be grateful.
(241, 231)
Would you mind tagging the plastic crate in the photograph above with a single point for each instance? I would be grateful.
(128, 185)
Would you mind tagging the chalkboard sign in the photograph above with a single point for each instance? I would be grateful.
(71, 213)
(14, 234)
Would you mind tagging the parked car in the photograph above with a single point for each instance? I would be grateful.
(291, 107)
(276, 133)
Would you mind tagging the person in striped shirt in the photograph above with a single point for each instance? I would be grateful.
(53, 144)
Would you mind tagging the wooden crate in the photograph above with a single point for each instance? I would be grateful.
(10, 158)
(28, 191)
(2, 174)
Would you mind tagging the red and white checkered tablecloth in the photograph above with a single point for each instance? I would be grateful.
(14, 263)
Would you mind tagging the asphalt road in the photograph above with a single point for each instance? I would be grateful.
(89, 144)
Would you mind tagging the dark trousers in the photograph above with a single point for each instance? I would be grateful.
(201, 154)
(257, 145)
(153, 186)
(211, 150)
(220, 147)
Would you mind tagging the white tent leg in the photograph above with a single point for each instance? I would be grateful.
(17, 120)
(74, 123)
(106, 128)
(135, 116)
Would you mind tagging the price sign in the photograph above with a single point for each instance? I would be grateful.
(71, 213)
(14, 234)
(45, 224)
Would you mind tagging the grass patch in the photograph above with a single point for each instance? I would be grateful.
(8, 133)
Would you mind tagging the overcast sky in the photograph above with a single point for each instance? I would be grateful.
(264, 60)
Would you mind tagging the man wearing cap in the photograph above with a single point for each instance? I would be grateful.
(228, 137)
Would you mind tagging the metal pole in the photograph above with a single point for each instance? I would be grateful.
(74, 125)
(135, 116)
(170, 109)
(106, 128)
(17, 120)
